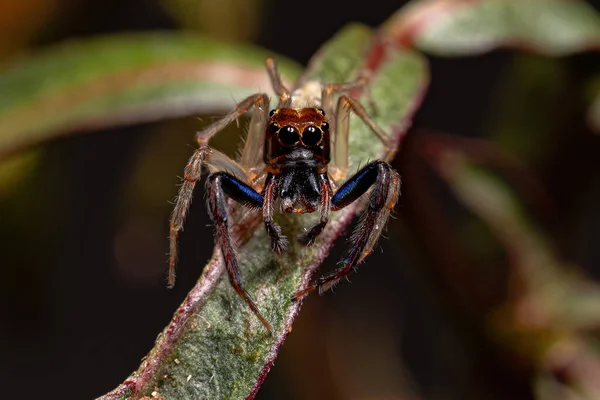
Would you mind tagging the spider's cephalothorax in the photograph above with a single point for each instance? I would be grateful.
(286, 160)
(297, 146)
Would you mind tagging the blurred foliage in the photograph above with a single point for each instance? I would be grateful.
(123, 79)
(463, 27)
(498, 254)
(551, 304)
(226, 19)
(21, 22)
(111, 81)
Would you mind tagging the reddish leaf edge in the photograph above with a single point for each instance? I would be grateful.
(408, 23)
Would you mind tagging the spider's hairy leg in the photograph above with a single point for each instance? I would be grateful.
(347, 104)
(279, 242)
(255, 100)
(252, 154)
(184, 198)
(386, 187)
(220, 184)
(193, 170)
(284, 94)
(340, 126)
(309, 237)
(332, 89)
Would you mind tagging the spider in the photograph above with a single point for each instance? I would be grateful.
(287, 157)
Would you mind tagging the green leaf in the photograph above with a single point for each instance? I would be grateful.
(124, 79)
(230, 19)
(215, 347)
(459, 28)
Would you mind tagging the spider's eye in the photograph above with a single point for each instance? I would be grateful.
(271, 113)
(325, 126)
(321, 111)
(311, 136)
(288, 135)
(273, 127)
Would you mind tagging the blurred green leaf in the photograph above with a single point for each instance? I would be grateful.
(460, 27)
(124, 79)
(215, 347)
(224, 19)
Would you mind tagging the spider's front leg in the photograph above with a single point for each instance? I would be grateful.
(219, 184)
(386, 189)
(251, 158)
(279, 242)
(309, 237)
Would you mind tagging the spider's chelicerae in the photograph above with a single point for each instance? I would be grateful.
(286, 158)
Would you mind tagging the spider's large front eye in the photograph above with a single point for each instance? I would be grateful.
(311, 136)
(288, 135)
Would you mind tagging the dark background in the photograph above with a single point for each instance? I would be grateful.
(75, 323)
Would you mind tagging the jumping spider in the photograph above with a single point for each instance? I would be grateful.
(286, 156)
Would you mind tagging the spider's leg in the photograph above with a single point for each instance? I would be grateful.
(221, 184)
(279, 242)
(339, 165)
(386, 188)
(330, 91)
(285, 97)
(256, 100)
(252, 155)
(194, 169)
(309, 237)
(340, 162)
(184, 198)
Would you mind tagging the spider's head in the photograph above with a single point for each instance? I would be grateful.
(294, 131)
